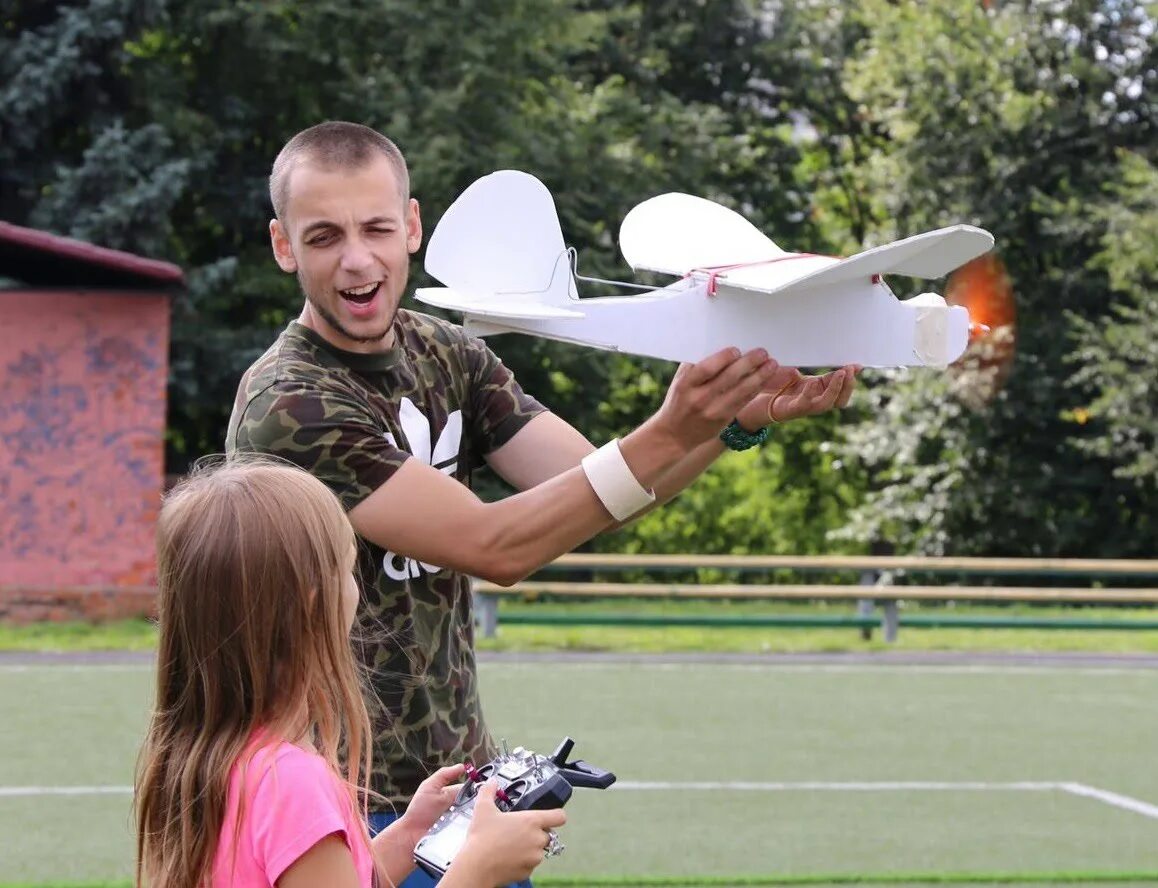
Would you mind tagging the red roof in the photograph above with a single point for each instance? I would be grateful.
(41, 259)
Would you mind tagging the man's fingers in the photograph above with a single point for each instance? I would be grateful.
(848, 388)
(725, 381)
(755, 363)
(710, 367)
(783, 378)
(832, 387)
(729, 396)
(816, 395)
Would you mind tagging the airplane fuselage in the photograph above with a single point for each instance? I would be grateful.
(854, 322)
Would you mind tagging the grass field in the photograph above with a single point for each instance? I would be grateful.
(757, 772)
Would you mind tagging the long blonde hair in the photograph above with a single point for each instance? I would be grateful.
(251, 559)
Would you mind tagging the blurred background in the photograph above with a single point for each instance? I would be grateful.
(149, 126)
(792, 748)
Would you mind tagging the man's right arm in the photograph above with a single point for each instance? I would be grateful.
(424, 514)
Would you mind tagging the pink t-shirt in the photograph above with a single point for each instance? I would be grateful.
(293, 800)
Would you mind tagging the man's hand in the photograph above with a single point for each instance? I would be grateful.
(704, 397)
(791, 395)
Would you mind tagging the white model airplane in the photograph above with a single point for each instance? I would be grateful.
(500, 252)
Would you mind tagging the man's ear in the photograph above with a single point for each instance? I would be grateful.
(413, 227)
(282, 249)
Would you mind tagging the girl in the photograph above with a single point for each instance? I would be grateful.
(239, 781)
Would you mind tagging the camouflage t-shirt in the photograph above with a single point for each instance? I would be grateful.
(353, 420)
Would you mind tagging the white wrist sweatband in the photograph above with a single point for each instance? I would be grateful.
(611, 479)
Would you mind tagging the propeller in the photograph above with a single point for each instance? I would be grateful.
(983, 287)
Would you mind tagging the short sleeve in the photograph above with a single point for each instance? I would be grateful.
(329, 435)
(500, 406)
(296, 803)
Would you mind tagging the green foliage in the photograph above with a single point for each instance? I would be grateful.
(780, 498)
(1009, 118)
(63, 83)
(126, 183)
(150, 126)
(1118, 352)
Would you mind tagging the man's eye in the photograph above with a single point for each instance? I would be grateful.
(379, 230)
(320, 240)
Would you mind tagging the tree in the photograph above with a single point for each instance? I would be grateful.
(673, 96)
(1010, 118)
(64, 95)
(1117, 358)
(233, 81)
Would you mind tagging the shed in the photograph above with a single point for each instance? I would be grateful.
(84, 344)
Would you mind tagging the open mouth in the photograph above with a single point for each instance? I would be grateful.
(363, 295)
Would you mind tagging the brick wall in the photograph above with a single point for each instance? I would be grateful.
(82, 422)
(21, 605)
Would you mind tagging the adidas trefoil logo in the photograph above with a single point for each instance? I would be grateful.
(443, 456)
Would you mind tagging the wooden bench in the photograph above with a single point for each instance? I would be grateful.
(874, 589)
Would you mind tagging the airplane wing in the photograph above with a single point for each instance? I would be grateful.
(932, 254)
(675, 233)
(490, 305)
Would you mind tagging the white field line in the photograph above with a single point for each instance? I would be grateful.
(840, 786)
(75, 667)
(1116, 800)
(1113, 798)
(18, 792)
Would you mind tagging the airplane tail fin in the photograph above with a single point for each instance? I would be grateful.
(500, 242)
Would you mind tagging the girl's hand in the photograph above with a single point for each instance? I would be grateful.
(434, 795)
(501, 847)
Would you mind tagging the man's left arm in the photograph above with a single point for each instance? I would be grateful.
(548, 445)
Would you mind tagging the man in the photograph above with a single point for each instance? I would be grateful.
(394, 409)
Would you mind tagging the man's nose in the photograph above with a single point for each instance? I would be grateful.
(356, 256)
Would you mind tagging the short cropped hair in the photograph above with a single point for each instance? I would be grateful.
(335, 144)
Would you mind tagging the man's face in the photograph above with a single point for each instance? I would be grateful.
(348, 235)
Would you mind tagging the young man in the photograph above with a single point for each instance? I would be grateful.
(393, 409)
